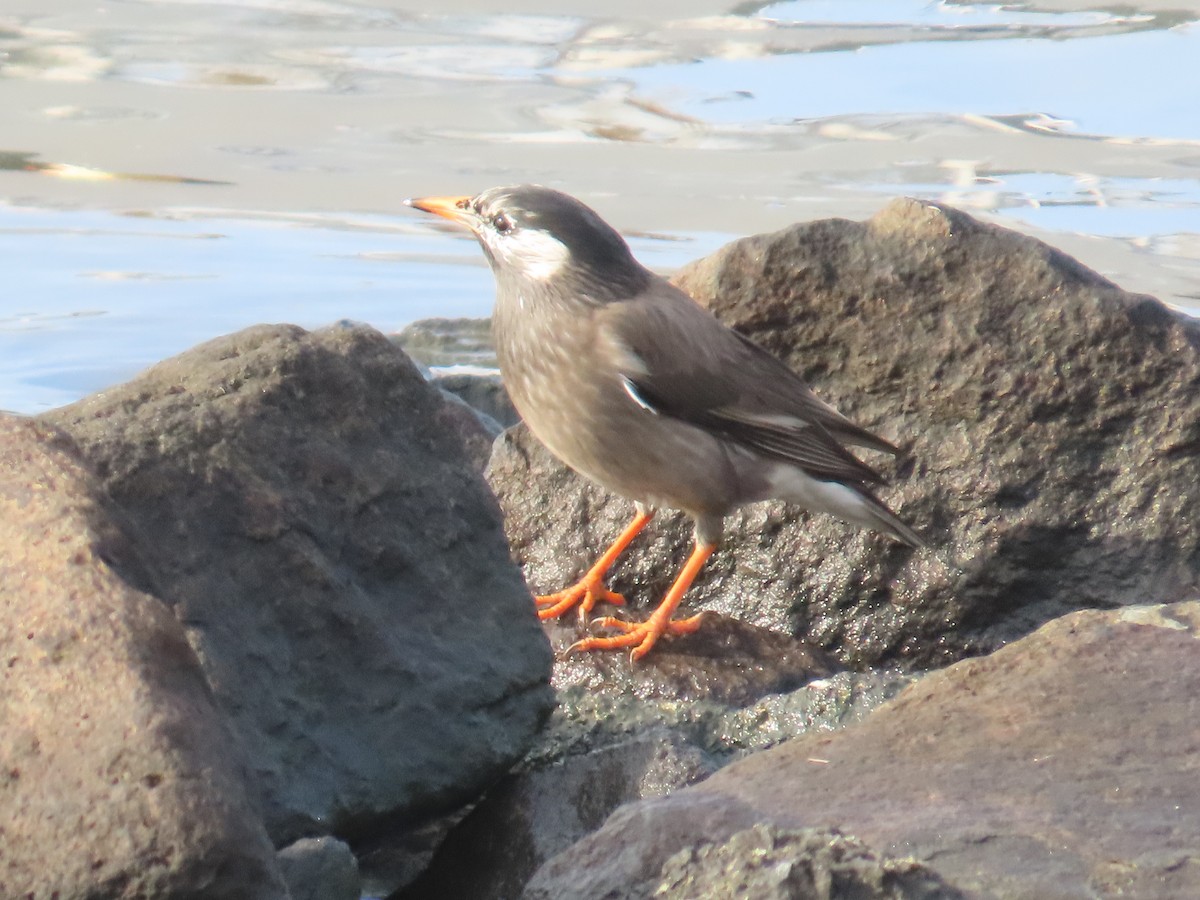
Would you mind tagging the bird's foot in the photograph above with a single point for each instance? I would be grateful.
(585, 594)
(641, 636)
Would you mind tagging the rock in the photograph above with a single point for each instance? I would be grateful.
(602, 865)
(338, 566)
(485, 393)
(728, 661)
(320, 869)
(1053, 422)
(530, 816)
(392, 859)
(769, 863)
(118, 776)
(474, 430)
(448, 342)
(1062, 765)
(457, 355)
(607, 747)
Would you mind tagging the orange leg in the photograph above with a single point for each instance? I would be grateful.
(590, 589)
(643, 635)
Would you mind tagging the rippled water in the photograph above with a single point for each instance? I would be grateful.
(174, 170)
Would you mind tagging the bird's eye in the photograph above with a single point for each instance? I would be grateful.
(502, 223)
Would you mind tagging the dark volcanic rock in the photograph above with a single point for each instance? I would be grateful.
(1063, 765)
(339, 568)
(1053, 422)
(118, 776)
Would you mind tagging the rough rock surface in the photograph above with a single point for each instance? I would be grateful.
(727, 661)
(1063, 765)
(611, 743)
(473, 428)
(1053, 422)
(338, 566)
(485, 393)
(531, 816)
(769, 863)
(320, 869)
(118, 776)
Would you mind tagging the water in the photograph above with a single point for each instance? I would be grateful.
(172, 171)
(81, 321)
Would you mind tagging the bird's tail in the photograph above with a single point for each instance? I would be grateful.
(886, 521)
(848, 501)
(875, 515)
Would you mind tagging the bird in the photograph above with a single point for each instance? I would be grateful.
(637, 387)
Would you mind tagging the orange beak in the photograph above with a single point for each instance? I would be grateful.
(456, 209)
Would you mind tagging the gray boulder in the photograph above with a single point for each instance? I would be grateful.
(338, 566)
(119, 778)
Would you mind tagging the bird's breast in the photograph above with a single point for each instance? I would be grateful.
(568, 387)
(556, 379)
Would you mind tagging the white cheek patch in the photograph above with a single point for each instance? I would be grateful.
(534, 254)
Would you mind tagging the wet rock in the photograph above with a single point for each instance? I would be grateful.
(1026, 774)
(588, 720)
(728, 661)
(449, 342)
(1053, 422)
(320, 869)
(338, 566)
(457, 355)
(119, 776)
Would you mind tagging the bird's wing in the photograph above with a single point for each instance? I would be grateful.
(677, 360)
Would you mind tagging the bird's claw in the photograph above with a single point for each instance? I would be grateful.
(640, 636)
(585, 594)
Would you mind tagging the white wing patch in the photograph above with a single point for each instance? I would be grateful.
(776, 420)
(631, 390)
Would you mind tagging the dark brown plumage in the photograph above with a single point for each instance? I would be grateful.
(634, 385)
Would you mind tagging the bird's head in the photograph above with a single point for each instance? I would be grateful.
(534, 236)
